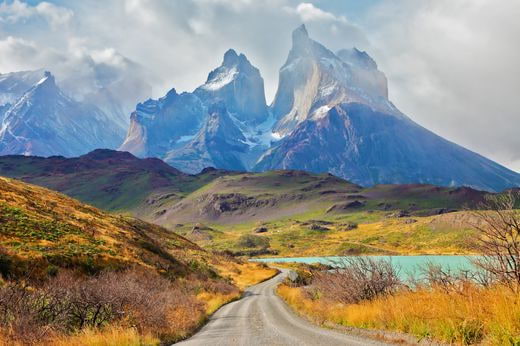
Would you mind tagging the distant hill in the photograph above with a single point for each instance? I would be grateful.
(151, 189)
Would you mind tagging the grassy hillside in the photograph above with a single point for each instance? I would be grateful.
(318, 234)
(54, 250)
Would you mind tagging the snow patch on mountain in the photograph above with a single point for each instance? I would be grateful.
(224, 77)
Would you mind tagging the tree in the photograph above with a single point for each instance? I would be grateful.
(499, 240)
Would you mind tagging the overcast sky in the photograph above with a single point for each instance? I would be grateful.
(453, 65)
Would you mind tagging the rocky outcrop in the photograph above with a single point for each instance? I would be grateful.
(223, 123)
(157, 126)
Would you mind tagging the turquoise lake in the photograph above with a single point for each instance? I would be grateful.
(407, 265)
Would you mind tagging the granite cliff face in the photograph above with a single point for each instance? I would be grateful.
(219, 143)
(239, 85)
(314, 79)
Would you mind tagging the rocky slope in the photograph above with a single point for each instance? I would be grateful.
(369, 147)
(13, 85)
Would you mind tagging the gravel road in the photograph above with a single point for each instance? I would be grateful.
(262, 318)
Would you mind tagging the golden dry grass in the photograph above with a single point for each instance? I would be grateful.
(214, 300)
(108, 337)
(112, 336)
(490, 316)
(246, 274)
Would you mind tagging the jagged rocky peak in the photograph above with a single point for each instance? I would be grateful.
(314, 79)
(231, 58)
(239, 84)
(358, 58)
(365, 74)
(300, 37)
(157, 126)
(48, 77)
(47, 83)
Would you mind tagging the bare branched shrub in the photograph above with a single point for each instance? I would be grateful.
(356, 279)
(67, 303)
(437, 276)
(499, 241)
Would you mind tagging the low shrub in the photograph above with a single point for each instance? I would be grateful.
(355, 279)
(253, 241)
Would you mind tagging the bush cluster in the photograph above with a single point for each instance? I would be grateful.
(67, 303)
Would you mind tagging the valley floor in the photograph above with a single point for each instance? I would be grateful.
(356, 233)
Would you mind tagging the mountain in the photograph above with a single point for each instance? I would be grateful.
(313, 80)
(331, 113)
(44, 121)
(106, 178)
(239, 85)
(334, 116)
(224, 123)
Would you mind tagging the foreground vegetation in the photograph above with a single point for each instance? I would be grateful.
(473, 315)
(71, 274)
(465, 307)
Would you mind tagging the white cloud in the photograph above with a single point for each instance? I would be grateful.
(55, 15)
(20, 11)
(308, 13)
(20, 54)
(181, 41)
